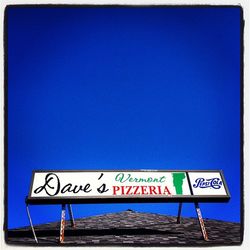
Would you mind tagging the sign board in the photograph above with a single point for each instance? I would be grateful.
(68, 186)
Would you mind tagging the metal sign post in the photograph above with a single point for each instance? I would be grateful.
(202, 224)
(62, 225)
(73, 224)
(179, 213)
(31, 224)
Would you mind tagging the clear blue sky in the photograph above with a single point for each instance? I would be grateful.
(122, 88)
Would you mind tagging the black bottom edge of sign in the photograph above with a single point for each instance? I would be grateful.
(124, 200)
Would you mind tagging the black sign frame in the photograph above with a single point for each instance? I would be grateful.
(129, 199)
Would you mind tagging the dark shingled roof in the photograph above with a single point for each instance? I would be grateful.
(132, 229)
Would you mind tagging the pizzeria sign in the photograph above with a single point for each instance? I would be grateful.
(127, 186)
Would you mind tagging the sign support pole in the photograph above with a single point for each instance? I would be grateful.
(62, 226)
(31, 224)
(179, 213)
(72, 220)
(202, 224)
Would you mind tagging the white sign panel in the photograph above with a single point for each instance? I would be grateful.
(208, 183)
(102, 184)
